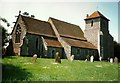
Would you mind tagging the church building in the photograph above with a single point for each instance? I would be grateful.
(32, 36)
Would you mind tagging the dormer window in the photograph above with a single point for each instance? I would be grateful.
(91, 23)
(18, 33)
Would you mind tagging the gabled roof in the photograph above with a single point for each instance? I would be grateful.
(68, 29)
(96, 14)
(79, 43)
(39, 27)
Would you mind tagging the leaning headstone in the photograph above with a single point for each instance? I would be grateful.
(34, 58)
(115, 60)
(57, 58)
(91, 58)
(72, 58)
(111, 60)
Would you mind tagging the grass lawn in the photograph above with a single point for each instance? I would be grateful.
(21, 68)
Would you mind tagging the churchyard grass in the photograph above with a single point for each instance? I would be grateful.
(22, 69)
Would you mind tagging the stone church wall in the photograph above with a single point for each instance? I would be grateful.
(32, 45)
(91, 32)
(17, 46)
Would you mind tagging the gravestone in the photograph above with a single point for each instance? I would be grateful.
(100, 58)
(34, 58)
(91, 58)
(115, 60)
(111, 60)
(57, 58)
(72, 58)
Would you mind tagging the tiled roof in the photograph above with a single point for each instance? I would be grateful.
(95, 15)
(39, 27)
(53, 42)
(79, 43)
(68, 29)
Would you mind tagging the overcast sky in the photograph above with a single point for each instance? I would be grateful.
(69, 11)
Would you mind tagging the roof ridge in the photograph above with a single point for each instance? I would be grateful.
(63, 21)
(34, 18)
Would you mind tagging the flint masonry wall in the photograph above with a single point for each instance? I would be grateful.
(91, 32)
(32, 45)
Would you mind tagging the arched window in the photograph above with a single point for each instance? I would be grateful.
(91, 23)
(18, 33)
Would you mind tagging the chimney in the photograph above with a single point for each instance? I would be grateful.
(87, 15)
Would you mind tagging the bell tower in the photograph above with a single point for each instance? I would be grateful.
(96, 32)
